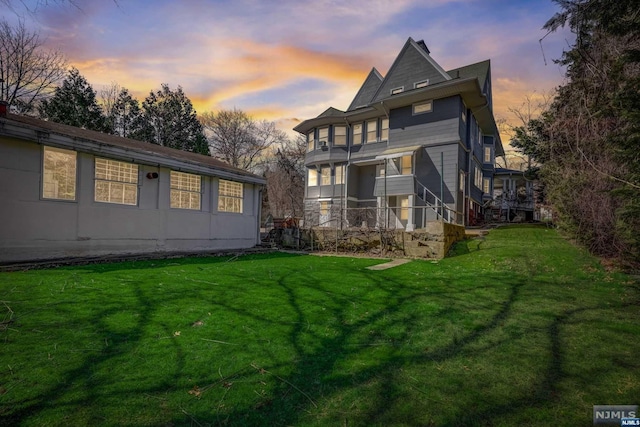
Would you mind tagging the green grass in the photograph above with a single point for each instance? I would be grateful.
(520, 328)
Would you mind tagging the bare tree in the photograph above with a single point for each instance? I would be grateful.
(27, 70)
(525, 114)
(285, 179)
(109, 97)
(238, 139)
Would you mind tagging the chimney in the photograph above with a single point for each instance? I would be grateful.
(4, 106)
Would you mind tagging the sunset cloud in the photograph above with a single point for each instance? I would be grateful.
(289, 60)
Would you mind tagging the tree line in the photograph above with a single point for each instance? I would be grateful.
(38, 81)
(586, 143)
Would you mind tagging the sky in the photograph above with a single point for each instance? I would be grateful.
(289, 60)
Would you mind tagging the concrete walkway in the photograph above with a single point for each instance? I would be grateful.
(390, 264)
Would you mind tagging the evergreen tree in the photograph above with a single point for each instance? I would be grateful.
(168, 119)
(125, 116)
(74, 103)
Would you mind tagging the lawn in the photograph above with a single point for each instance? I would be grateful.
(519, 328)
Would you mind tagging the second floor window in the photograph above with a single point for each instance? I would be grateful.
(357, 134)
(400, 166)
(384, 130)
(185, 190)
(323, 137)
(486, 185)
(487, 155)
(423, 107)
(340, 135)
(116, 182)
(478, 176)
(372, 130)
(310, 141)
(59, 174)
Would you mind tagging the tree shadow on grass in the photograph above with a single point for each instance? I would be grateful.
(299, 389)
(313, 378)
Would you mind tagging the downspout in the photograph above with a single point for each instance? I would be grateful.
(386, 200)
(346, 172)
(259, 239)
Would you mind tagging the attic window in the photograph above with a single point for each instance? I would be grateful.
(423, 83)
(397, 90)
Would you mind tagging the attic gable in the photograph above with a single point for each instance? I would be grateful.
(367, 90)
(412, 65)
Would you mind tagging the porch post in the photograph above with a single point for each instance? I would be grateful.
(411, 224)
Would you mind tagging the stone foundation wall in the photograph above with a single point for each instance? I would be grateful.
(431, 242)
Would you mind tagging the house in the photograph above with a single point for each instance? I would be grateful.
(416, 145)
(70, 192)
(514, 197)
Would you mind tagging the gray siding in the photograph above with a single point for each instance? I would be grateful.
(394, 185)
(33, 228)
(429, 169)
(426, 134)
(331, 155)
(410, 67)
(325, 191)
(366, 178)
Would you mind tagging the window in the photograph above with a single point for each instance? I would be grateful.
(116, 182)
(372, 130)
(422, 107)
(384, 130)
(461, 178)
(402, 165)
(312, 178)
(59, 174)
(339, 135)
(487, 154)
(310, 141)
(486, 185)
(230, 196)
(324, 208)
(464, 115)
(479, 136)
(185, 190)
(397, 90)
(357, 134)
(406, 165)
(404, 208)
(339, 178)
(478, 176)
(423, 83)
(325, 175)
(323, 137)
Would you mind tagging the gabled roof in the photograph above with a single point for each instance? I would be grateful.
(367, 90)
(479, 70)
(64, 136)
(412, 65)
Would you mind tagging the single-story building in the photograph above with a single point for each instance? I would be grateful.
(70, 192)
